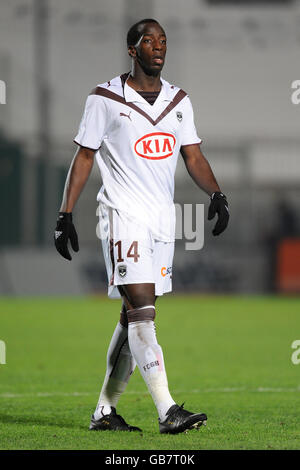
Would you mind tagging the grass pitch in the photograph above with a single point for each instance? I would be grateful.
(229, 357)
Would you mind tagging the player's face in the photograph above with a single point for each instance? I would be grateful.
(151, 49)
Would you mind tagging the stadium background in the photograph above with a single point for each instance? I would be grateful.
(236, 62)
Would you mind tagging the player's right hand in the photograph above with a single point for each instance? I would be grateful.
(64, 231)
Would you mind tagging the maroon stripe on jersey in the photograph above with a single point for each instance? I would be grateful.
(113, 96)
(177, 98)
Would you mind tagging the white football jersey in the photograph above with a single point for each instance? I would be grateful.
(137, 148)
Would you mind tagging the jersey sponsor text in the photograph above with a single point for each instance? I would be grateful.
(155, 146)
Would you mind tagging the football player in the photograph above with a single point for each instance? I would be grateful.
(135, 125)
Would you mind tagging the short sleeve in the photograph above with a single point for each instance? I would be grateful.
(189, 134)
(93, 124)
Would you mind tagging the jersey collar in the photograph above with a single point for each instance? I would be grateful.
(132, 96)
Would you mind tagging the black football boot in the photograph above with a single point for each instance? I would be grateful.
(180, 420)
(111, 422)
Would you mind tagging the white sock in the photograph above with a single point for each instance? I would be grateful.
(120, 366)
(149, 357)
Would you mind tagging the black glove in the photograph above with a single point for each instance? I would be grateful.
(218, 205)
(65, 230)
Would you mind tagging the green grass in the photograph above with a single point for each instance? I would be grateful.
(227, 356)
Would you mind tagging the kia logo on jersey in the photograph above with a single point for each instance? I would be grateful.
(155, 146)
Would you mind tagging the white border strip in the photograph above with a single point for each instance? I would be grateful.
(135, 392)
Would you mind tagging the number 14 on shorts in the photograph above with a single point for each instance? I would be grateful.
(132, 251)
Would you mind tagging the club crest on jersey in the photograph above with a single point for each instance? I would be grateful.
(179, 115)
(155, 146)
(122, 269)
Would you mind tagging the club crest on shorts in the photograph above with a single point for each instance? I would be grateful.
(179, 115)
(122, 270)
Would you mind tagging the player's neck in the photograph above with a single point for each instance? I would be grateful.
(139, 81)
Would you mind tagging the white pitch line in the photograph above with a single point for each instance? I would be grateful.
(135, 392)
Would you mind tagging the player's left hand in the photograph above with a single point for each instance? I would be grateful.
(218, 205)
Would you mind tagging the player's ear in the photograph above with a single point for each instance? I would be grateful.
(132, 51)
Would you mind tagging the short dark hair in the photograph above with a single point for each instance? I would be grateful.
(134, 32)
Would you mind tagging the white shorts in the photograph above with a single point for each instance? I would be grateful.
(131, 254)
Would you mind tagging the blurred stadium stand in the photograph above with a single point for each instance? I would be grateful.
(237, 63)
